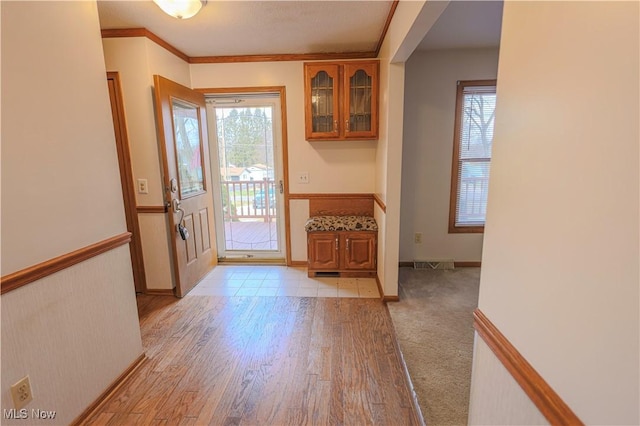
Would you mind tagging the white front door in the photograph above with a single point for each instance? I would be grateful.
(247, 162)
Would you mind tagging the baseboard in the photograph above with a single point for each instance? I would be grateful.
(251, 261)
(414, 397)
(456, 264)
(160, 292)
(382, 295)
(298, 263)
(113, 388)
(467, 264)
(552, 407)
(379, 284)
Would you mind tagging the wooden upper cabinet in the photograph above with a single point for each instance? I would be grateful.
(361, 100)
(341, 100)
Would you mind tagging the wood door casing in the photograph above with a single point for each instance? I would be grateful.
(194, 257)
(126, 180)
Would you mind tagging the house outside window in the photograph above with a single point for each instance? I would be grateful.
(473, 139)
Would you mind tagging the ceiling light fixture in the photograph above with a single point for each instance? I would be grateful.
(181, 9)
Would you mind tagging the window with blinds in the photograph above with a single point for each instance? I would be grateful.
(473, 138)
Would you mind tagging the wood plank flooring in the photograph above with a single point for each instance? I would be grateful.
(264, 361)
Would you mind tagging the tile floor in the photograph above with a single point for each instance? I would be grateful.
(258, 280)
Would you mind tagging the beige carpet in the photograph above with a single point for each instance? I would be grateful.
(434, 324)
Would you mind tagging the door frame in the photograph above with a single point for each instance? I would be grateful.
(126, 180)
(281, 90)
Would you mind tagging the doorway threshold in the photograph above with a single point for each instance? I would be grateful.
(229, 260)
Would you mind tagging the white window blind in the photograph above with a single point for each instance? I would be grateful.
(476, 117)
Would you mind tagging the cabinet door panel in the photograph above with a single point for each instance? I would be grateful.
(360, 251)
(322, 101)
(361, 100)
(323, 251)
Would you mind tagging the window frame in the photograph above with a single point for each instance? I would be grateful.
(455, 161)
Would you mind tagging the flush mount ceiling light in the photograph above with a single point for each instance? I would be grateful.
(181, 9)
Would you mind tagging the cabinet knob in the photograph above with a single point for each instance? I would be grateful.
(346, 125)
(336, 243)
(347, 244)
(335, 125)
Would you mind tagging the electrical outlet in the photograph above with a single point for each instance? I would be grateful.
(21, 393)
(303, 177)
(417, 238)
(143, 188)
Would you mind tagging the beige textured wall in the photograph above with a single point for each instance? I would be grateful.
(560, 274)
(333, 166)
(75, 331)
(427, 149)
(137, 59)
(45, 187)
(336, 167)
(299, 211)
(506, 405)
(410, 23)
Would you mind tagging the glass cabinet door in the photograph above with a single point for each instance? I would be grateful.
(361, 97)
(322, 101)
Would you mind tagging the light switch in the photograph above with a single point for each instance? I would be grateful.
(143, 188)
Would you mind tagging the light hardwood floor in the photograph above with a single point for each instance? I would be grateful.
(264, 361)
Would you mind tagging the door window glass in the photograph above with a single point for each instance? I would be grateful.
(188, 148)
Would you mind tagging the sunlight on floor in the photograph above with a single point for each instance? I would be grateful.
(230, 280)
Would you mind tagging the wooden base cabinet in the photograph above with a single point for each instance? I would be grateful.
(342, 253)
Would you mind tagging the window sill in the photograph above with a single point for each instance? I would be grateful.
(466, 229)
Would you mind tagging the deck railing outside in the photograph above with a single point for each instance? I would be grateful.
(249, 199)
(472, 201)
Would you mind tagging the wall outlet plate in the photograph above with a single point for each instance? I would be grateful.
(21, 393)
(303, 177)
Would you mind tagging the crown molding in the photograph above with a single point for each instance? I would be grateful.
(279, 57)
(143, 32)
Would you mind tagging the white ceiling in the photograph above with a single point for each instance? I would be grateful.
(242, 27)
(258, 27)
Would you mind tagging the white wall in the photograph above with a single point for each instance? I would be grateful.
(75, 331)
(333, 166)
(513, 404)
(429, 112)
(137, 59)
(560, 272)
(411, 21)
(338, 166)
(44, 187)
